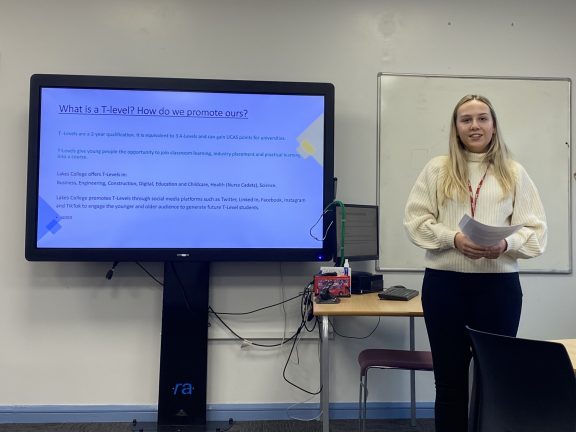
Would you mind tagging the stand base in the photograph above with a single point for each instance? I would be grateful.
(208, 427)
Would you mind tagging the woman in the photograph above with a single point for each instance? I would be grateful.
(465, 283)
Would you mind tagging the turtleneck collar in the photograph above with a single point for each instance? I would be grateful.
(475, 157)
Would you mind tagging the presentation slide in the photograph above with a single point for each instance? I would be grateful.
(176, 169)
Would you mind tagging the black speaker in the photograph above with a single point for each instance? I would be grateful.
(365, 282)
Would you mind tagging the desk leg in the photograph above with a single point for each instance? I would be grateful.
(325, 375)
(412, 377)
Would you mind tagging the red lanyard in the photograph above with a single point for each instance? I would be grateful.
(474, 198)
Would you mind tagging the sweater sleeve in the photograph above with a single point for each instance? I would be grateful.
(421, 212)
(530, 240)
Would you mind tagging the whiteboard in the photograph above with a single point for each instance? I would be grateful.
(413, 126)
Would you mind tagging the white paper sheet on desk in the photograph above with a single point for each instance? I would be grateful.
(485, 235)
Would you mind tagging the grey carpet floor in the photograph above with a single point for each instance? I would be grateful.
(424, 425)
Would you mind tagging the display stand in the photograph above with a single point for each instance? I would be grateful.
(183, 352)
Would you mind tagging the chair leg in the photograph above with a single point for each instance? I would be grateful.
(363, 400)
(365, 404)
(412, 398)
(473, 407)
(362, 403)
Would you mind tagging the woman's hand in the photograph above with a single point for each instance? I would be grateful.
(473, 251)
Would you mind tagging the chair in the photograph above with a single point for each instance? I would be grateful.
(521, 385)
(389, 359)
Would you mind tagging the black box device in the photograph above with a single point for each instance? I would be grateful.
(364, 282)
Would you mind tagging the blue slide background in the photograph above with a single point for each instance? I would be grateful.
(91, 137)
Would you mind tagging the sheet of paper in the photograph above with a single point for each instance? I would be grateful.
(485, 235)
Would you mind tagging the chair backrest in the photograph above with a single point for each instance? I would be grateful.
(521, 385)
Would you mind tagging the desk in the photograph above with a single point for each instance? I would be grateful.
(360, 305)
(570, 345)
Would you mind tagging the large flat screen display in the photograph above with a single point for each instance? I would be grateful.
(157, 169)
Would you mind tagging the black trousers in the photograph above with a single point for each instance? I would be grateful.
(490, 302)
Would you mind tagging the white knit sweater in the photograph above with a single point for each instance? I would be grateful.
(433, 227)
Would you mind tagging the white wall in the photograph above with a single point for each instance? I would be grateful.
(68, 336)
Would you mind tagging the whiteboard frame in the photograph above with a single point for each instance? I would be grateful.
(380, 265)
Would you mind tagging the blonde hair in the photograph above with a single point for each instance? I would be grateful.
(454, 183)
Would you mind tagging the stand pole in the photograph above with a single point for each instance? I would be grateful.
(183, 351)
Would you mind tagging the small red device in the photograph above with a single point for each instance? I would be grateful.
(338, 286)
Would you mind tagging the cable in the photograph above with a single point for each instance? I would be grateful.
(110, 273)
(316, 417)
(306, 315)
(342, 226)
(150, 274)
(354, 337)
(342, 229)
(217, 314)
(306, 306)
(247, 341)
(286, 366)
(285, 314)
(181, 285)
(259, 309)
(316, 223)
